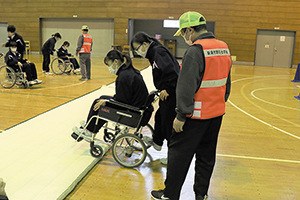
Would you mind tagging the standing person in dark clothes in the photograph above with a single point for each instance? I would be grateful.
(3, 195)
(165, 70)
(13, 59)
(13, 36)
(84, 49)
(64, 54)
(130, 88)
(47, 50)
(202, 89)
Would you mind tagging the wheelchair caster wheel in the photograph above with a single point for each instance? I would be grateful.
(75, 136)
(108, 137)
(96, 151)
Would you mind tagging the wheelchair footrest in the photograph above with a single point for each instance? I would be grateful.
(75, 136)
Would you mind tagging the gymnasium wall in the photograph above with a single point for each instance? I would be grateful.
(236, 20)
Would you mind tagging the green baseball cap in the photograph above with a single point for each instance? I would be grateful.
(189, 19)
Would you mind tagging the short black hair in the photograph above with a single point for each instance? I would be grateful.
(57, 35)
(66, 43)
(11, 28)
(12, 44)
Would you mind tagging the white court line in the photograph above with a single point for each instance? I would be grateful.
(274, 127)
(268, 102)
(64, 86)
(258, 158)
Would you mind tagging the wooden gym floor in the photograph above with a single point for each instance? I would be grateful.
(258, 150)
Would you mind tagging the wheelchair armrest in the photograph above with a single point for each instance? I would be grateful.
(123, 105)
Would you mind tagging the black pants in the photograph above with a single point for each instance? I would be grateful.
(74, 62)
(46, 61)
(164, 118)
(199, 137)
(92, 127)
(30, 70)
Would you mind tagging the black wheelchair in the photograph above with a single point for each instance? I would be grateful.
(60, 66)
(130, 124)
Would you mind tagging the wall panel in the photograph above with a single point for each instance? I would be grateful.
(236, 21)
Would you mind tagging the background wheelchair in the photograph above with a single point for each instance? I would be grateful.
(10, 77)
(126, 136)
(60, 66)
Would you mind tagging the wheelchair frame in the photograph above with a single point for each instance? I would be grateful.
(9, 77)
(128, 147)
(60, 66)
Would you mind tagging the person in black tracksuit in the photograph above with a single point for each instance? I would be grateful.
(65, 55)
(48, 49)
(130, 88)
(15, 37)
(165, 70)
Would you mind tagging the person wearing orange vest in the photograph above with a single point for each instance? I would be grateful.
(202, 89)
(84, 49)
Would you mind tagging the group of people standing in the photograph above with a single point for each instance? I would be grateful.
(84, 49)
(15, 56)
(191, 101)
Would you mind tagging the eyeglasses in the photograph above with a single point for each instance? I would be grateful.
(138, 47)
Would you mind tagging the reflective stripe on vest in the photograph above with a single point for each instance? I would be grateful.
(87, 44)
(210, 98)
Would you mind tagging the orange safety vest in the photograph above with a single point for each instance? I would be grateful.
(210, 98)
(87, 44)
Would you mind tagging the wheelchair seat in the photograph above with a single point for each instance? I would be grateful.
(128, 115)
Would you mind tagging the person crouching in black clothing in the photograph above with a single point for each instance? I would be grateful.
(13, 59)
(65, 55)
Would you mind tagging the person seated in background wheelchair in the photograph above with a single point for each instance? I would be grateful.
(65, 55)
(130, 89)
(14, 60)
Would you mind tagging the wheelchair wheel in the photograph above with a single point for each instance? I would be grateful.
(96, 151)
(8, 77)
(145, 131)
(58, 66)
(69, 67)
(125, 153)
(108, 137)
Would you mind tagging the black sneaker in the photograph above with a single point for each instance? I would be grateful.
(158, 195)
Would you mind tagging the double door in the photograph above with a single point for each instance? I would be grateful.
(274, 48)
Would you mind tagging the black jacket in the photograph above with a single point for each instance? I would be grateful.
(130, 87)
(165, 67)
(19, 40)
(12, 59)
(49, 45)
(62, 53)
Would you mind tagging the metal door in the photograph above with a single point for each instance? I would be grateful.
(275, 48)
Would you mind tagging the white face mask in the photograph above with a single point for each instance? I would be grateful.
(189, 42)
(141, 53)
(113, 69)
(13, 50)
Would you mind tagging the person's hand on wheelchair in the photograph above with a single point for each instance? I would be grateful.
(20, 64)
(163, 95)
(98, 104)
